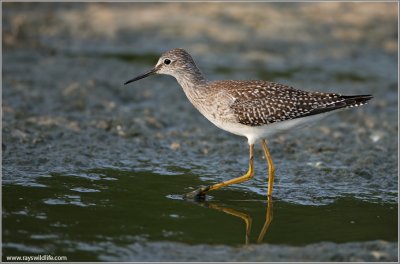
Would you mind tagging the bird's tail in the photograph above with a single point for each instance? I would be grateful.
(356, 100)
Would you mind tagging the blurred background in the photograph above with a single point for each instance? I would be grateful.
(93, 169)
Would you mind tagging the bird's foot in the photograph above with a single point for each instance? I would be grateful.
(197, 195)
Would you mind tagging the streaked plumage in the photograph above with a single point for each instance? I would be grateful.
(254, 109)
(258, 103)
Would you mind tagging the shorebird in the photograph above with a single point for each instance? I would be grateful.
(252, 108)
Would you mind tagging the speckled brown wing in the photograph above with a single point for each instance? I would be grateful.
(258, 103)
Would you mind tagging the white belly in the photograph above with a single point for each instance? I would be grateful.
(256, 133)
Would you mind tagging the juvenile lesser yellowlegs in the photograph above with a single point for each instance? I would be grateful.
(254, 109)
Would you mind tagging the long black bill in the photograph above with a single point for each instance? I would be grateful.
(144, 75)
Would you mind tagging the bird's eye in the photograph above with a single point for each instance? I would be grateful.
(167, 61)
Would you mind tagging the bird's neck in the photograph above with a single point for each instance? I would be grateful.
(192, 81)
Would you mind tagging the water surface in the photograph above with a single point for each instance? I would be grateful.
(69, 212)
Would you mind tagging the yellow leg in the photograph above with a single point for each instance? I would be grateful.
(249, 174)
(271, 168)
(268, 220)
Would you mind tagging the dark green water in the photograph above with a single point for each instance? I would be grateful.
(66, 211)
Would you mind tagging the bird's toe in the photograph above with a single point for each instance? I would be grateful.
(197, 195)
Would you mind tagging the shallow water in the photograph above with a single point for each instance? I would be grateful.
(67, 213)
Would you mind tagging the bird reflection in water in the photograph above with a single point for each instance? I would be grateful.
(245, 217)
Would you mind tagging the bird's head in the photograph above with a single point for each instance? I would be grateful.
(174, 62)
